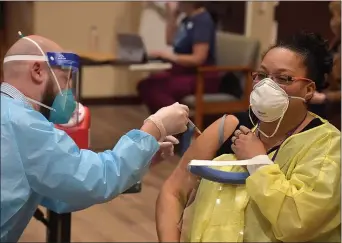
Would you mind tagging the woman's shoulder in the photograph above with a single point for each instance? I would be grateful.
(330, 129)
(204, 17)
(228, 121)
(319, 135)
(321, 124)
(240, 119)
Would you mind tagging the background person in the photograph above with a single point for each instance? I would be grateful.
(193, 42)
(327, 102)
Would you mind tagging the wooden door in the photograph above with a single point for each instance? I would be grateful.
(230, 15)
(2, 37)
(293, 16)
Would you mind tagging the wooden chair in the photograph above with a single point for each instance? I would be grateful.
(235, 53)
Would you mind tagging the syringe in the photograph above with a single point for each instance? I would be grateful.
(194, 126)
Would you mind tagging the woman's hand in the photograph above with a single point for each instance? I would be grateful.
(166, 55)
(246, 145)
(318, 98)
(172, 8)
(166, 149)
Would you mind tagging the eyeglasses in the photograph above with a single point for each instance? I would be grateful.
(280, 79)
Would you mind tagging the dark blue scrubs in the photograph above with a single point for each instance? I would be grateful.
(194, 30)
(165, 88)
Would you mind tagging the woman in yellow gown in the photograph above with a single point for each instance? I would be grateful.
(295, 195)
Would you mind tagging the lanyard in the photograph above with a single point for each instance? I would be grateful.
(290, 133)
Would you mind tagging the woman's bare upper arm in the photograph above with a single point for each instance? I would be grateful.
(201, 52)
(181, 181)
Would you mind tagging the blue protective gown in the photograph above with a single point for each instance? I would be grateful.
(41, 165)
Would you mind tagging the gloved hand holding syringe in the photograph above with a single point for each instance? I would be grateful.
(167, 145)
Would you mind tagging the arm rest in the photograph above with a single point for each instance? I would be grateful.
(206, 69)
(199, 103)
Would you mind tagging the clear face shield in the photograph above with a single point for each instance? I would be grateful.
(64, 69)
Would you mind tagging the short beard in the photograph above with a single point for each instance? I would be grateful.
(48, 99)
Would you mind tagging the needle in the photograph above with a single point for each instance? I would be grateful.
(196, 128)
(20, 34)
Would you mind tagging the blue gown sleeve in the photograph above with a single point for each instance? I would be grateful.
(61, 207)
(57, 169)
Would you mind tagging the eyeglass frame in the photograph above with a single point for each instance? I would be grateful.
(289, 81)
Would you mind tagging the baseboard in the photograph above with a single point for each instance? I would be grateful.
(115, 100)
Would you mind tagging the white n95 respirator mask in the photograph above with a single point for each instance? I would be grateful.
(269, 102)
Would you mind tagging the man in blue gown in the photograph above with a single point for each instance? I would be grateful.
(41, 165)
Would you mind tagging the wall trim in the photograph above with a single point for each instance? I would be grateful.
(248, 18)
(113, 100)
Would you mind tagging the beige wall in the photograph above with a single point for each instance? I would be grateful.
(260, 22)
(151, 20)
(68, 23)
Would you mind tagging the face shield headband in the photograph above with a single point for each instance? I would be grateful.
(64, 103)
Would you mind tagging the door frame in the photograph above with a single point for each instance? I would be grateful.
(3, 42)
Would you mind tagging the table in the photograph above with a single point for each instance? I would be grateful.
(93, 59)
(96, 59)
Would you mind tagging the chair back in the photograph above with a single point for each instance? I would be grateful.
(236, 50)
